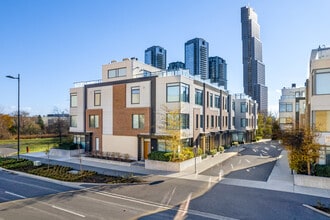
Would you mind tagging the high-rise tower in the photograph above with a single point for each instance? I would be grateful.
(218, 71)
(253, 66)
(196, 57)
(155, 56)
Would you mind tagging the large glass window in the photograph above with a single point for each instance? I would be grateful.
(202, 121)
(322, 81)
(198, 97)
(138, 121)
(73, 100)
(244, 107)
(321, 120)
(73, 121)
(173, 92)
(177, 92)
(176, 121)
(93, 121)
(286, 107)
(116, 72)
(97, 98)
(135, 95)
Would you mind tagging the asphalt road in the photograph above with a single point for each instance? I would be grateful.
(256, 162)
(13, 187)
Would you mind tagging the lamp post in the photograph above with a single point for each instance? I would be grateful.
(18, 112)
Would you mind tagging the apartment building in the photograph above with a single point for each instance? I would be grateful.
(292, 106)
(124, 111)
(245, 120)
(318, 99)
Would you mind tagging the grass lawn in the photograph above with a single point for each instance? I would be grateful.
(35, 145)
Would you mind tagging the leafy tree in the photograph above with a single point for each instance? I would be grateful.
(303, 149)
(41, 123)
(171, 127)
(6, 123)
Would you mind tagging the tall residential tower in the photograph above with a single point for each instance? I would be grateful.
(196, 57)
(155, 56)
(253, 66)
(218, 71)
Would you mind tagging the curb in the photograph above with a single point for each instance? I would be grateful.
(316, 210)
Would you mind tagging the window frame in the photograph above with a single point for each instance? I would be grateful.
(73, 100)
(97, 98)
(135, 95)
(140, 121)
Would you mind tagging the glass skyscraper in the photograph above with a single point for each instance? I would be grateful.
(155, 56)
(196, 57)
(253, 66)
(218, 71)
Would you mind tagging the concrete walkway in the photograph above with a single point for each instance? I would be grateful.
(280, 178)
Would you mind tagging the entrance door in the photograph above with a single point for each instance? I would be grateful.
(146, 147)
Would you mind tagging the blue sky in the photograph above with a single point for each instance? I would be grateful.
(54, 43)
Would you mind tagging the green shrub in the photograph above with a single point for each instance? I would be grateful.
(322, 170)
(258, 138)
(11, 163)
(221, 149)
(69, 146)
(213, 152)
(160, 155)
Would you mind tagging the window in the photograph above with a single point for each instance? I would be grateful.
(177, 92)
(198, 97)
(135, 95)
(321, 120)
(322, 80)
(184, 92)
(244, 107)
(285, 107)
(207, 121)
(117, 72)
(174, 121)
(73, 121)
(286, 120)
(93, 121)
(244, 122)
(97, 98)
(297, 106)
(234, 106)
(97, 144)
(137, 121)
(73, 100)
(202, 121)
(197, 117)
(217, 101)
(207, 99)
(212, 121)
(173, 91)
(219, 121)
(211, 100)
(184, 121)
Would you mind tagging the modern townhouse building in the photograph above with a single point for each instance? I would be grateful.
(292, 106)
(245, 120)
(124, 111)
(318, 99)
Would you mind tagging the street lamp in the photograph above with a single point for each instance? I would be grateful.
(18, 113)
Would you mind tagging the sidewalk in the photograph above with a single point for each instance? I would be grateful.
(280, 179)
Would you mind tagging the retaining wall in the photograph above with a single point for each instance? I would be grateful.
(312, 181)
(171, 166)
